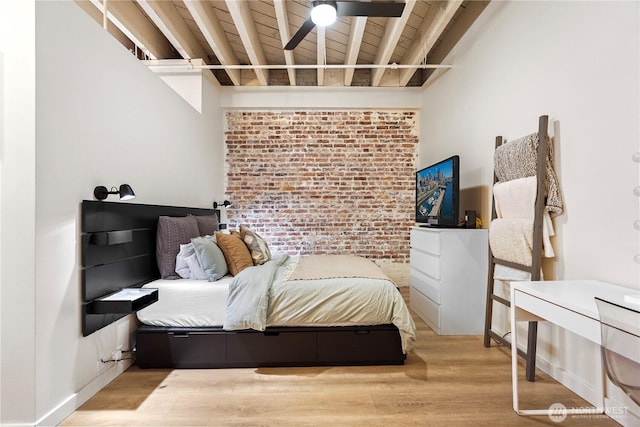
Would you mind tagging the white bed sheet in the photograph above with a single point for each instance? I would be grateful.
(187, 303)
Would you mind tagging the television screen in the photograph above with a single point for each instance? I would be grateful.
(437, 193)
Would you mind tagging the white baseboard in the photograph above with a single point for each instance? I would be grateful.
(620, 413)
(73, 402)
(571, 381)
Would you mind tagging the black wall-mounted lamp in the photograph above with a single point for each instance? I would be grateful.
(226, 204)
(125, 192)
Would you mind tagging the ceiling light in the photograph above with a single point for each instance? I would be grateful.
(323, 13)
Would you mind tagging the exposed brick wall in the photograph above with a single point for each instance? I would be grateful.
(324, 181)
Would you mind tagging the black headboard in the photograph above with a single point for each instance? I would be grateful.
(119, 251)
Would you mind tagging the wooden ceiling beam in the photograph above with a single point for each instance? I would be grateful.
(392, 33)
(146, 34)
(97, 13)
(206, 19)
(167, 18)
(456, 30)
(353, 46)
(282, 17)
(321, 53)
(431, 29)
(241, 14)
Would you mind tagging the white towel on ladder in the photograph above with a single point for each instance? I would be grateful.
(517, 199)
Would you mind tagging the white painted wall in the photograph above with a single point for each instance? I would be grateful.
(97, 117)
(577, 62)
(17, 210)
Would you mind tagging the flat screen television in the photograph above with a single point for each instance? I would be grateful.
(438, 194)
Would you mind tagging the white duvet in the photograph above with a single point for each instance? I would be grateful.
(187, 303)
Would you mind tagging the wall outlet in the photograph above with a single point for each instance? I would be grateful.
(102, 366)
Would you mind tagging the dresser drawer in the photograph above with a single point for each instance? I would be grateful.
(425, 263)
(425, 284)
(428, 310)
(426, 241)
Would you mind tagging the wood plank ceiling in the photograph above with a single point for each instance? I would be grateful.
(241, 41)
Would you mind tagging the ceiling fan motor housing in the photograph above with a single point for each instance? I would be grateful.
(324, 12)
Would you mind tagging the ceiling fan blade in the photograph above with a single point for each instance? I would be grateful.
(306, 28)
(375, 9)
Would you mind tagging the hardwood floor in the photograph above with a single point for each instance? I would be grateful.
(446, 381)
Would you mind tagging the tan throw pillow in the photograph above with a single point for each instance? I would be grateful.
(257, 245)
(235, 253)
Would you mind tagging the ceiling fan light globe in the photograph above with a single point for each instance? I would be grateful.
(323, 14)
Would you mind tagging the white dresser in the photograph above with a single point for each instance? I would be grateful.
(448, 278)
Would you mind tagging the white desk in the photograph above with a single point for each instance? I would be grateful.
(569, 304)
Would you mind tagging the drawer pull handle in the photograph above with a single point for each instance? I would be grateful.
(362, 332)
(180, 334)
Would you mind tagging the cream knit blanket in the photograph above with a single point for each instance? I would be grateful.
(517, 159)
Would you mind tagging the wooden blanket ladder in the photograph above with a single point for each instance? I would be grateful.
(537, 253)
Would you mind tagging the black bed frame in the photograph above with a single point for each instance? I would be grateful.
(118, 251)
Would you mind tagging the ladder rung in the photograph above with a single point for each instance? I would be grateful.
(515, 265)
(501, 300)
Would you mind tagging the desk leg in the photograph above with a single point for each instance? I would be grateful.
(514, 363)
(532, 344)
(514, 351)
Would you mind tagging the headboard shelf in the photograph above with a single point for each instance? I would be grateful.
(118, 251)
(107, 238)
(124, 301)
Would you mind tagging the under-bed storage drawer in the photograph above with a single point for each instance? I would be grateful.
(177, 349)
(271, 348)
(159, 347)
(377, 344)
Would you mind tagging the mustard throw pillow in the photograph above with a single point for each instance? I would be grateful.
(235, 252)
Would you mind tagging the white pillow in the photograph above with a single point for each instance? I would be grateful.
(187, 265)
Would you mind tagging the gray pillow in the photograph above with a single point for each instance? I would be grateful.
(210, 257)
(172, 232)
(207, 224)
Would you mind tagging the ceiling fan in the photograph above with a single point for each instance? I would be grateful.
(325, 12)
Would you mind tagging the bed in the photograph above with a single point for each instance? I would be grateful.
(283, 311)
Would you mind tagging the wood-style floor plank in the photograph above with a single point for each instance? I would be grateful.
(446, 381)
